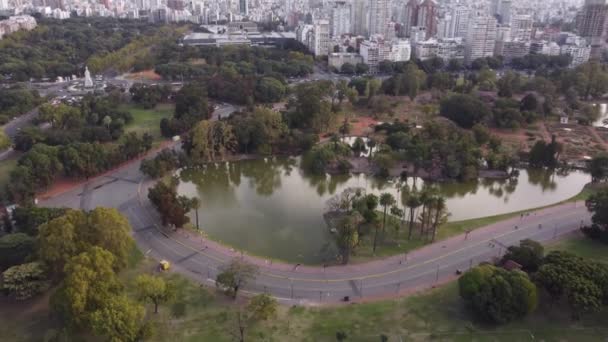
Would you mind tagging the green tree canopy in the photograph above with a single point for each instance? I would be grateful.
(465, 110)
(497, 295)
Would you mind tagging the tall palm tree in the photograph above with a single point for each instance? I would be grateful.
(386, 200)
(441, 214)
(425, 200)
(413, 202)
(195, 204)
(371, 143)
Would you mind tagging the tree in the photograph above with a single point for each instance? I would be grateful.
(5, 141)
(110, 230)
(598, 167)
(348, 69)
(440, 215)
(262, 307)
(386, 200)
(235, 276)
(25, 281)
(173, 209)
(347, 237)
(209, 141)
(119, 319)
(497, 295)
(58, 240)
(89, 284)
(465, 110)
(154, 289)
(529, 103)
(582, 282)
(597, 204)
(545, 155)
(269, 89)
(15, 249)
(361, 68)
(529, 254)
(191, 103)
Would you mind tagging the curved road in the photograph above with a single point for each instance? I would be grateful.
(200, 259)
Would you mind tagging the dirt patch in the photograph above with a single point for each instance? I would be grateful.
(577, 140)
(362, 126)
(149, 75)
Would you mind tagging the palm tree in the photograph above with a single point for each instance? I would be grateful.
(399, 213)
(386, 200)
(413, 202)
(371, 143)
(425, 200)
(441, 214)
(195, 204)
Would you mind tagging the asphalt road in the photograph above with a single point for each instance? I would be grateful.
(199, 259)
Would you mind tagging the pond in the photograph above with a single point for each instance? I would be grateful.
(271, 207)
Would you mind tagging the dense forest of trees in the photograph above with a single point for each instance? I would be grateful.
(62, 47)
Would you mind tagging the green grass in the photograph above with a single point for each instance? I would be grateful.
(582, 246)
(201, 314)
(148, 120)
(437, 314)
(6, 166)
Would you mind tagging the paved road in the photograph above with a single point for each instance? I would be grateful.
(200, 259)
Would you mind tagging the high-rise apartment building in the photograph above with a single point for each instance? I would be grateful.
(481, 37)
(244, 7)
(427, 17)
(409, 17)
(340, 19)
(591, 24)
(359, 17)
(379, 16)
(521, 27)
(320, 37)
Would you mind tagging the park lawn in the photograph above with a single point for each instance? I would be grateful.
(6, 166)
(581, 245)
(148, 120)
(439, 314)
(201, 314)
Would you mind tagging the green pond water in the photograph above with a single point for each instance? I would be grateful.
(271, 207)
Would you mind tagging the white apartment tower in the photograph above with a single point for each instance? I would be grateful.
(359, 17)
(320, 38)
(481, 37)
(521, 27)
(379, 16)
(459, 21)
(340, 19)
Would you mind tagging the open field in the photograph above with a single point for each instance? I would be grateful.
(148, 120)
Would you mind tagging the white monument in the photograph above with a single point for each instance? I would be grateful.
(88, 81)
